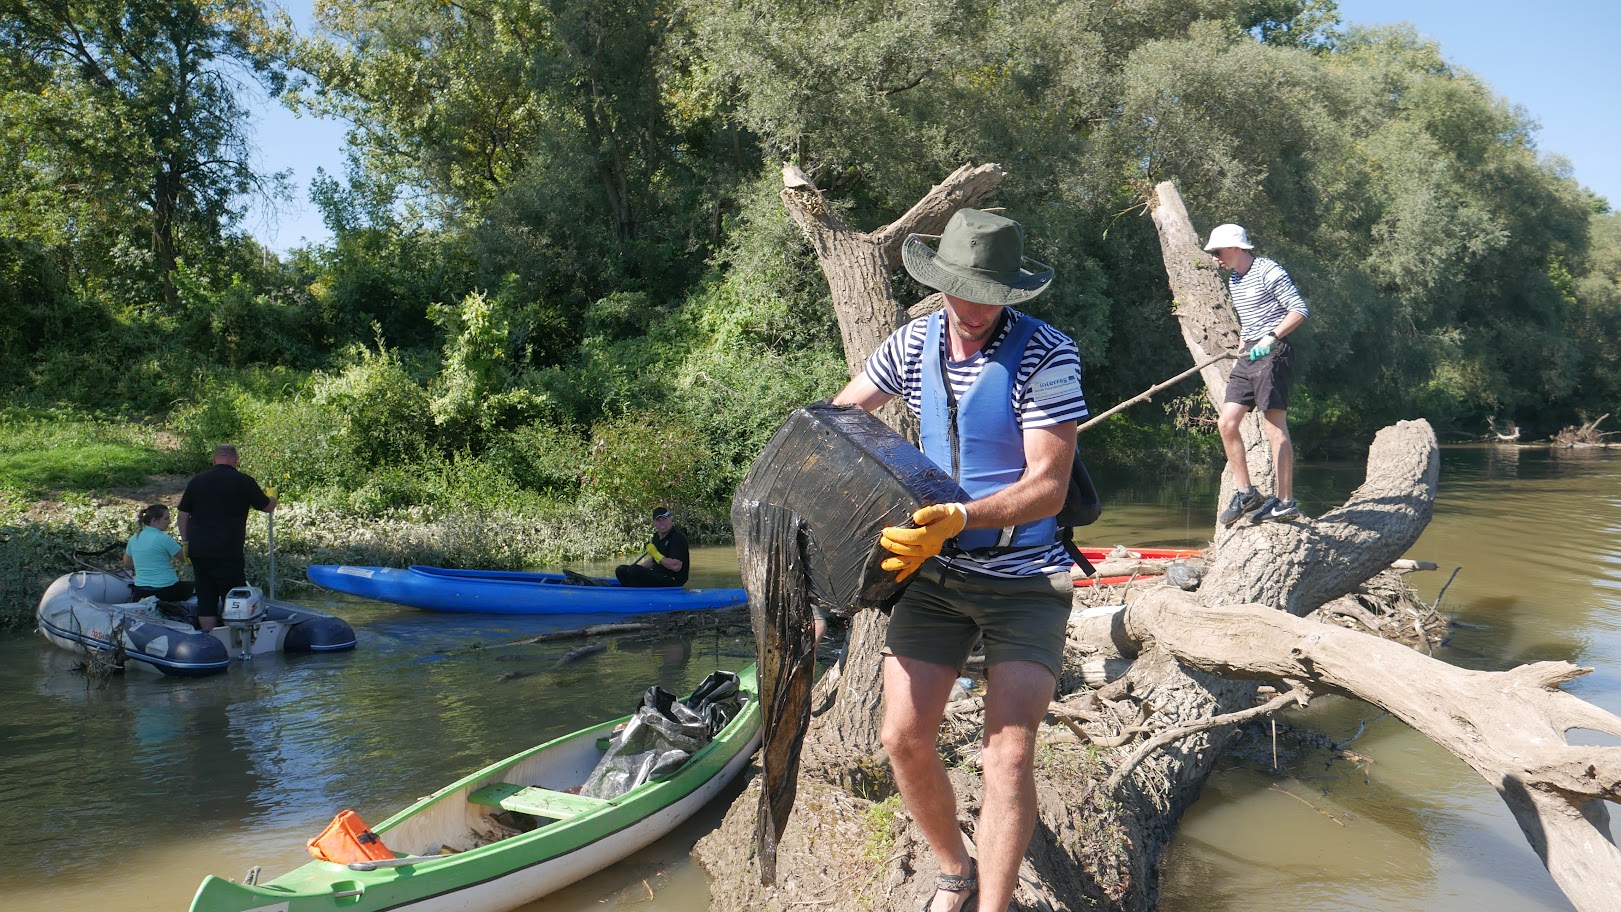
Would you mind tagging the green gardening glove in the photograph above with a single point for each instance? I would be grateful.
(1263, 347)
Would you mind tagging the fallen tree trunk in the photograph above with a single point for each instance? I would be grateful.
(1509, 726)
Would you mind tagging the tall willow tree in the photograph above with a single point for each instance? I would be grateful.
(134, 137)
(584, 149)
(877, 100)
(541, 125)
(1408, 200)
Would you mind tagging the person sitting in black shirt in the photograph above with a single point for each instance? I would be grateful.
(665, 559)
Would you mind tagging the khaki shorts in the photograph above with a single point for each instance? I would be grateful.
(943, 612)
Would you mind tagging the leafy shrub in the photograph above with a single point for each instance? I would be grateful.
(622, 315)
(644, 459)
(240, 326)
(383, 416)
(294, 444)
(541, 457)
(209, 421)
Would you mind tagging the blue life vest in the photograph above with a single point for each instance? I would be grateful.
(990, 446)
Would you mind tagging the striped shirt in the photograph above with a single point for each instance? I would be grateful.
(1051, 362)
(1263, 296)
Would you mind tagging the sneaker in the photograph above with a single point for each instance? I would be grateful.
(1276, 509)
(1243, 502)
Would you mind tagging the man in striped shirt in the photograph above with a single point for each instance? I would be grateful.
(1269, 308)
(998, 397)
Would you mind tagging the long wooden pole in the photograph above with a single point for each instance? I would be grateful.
(1149, 393)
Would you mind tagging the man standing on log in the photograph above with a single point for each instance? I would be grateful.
(1269, 308)
(998, 396)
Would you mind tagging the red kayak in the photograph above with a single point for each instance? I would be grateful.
(1099, 555)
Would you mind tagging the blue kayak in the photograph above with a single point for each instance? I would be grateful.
(511, 592)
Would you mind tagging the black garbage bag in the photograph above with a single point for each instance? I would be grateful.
(717, 699)
(664, 732)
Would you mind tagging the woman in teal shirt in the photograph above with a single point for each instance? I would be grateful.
(153, 555)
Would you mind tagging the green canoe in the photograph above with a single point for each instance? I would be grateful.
(489, 864)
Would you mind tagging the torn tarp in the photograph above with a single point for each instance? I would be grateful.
(807, 520)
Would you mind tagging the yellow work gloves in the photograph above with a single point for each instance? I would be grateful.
(935, 524)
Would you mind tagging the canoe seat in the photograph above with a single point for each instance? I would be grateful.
(541, 802)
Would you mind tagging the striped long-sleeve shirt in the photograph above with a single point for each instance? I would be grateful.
(1046, 391)
(1263, 296)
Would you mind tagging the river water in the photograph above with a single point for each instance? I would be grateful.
(124, 796)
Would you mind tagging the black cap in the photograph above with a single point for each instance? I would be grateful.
(660, 512)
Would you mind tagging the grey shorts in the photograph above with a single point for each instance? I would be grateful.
(1264, 382)
(943, 612)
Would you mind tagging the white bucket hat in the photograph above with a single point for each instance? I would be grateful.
(1229, 236)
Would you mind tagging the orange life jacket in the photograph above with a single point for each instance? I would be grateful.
(347, 839)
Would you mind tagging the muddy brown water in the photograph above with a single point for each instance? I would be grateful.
(125, 796)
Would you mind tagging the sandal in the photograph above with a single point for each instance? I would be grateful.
(966, 884)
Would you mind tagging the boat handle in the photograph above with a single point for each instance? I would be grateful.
(391, 862)
(342, 893)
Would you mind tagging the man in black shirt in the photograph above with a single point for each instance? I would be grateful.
(214, 526)
(664, 561)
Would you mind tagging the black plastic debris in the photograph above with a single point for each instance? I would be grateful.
(847, 475)
(663, 734)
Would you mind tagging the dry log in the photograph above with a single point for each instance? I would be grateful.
(1299, 566)
(1209, 324)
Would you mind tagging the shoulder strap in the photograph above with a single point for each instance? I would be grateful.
(1065, 537)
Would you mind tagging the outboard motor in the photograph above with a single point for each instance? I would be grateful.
(244, 611)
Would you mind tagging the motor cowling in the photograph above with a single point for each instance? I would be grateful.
(244, 605)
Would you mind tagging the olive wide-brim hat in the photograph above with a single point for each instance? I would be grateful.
(980, 259)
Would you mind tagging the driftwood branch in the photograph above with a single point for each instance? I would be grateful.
(1148, 394)
(1295, 695)
(1299, 566)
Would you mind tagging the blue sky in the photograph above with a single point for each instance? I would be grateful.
(1557, 59)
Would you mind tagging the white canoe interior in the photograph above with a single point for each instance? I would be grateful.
(539, 785)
